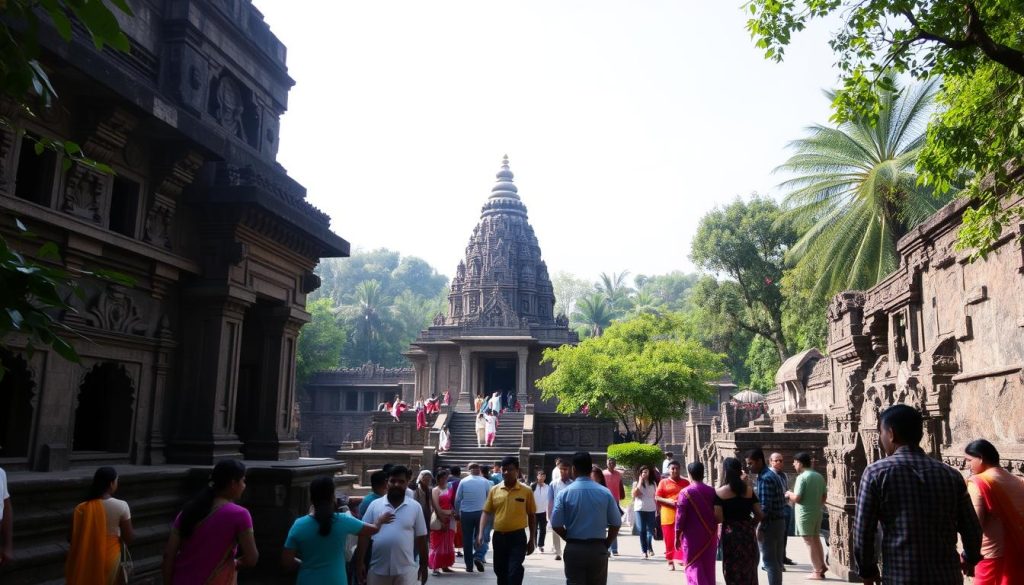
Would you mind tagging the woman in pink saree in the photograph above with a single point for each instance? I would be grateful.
(209, 531)
(696, 528)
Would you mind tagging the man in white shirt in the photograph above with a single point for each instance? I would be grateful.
(564, 480)
(6, 522)
(393, 561)
(665, 464)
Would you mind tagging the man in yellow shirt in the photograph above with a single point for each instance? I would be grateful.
(512, 507)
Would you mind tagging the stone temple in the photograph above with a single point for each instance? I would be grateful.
(500, 319)
(500, 311)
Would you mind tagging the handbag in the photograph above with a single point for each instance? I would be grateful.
(126, 566)
(658, 535)
(435, 522)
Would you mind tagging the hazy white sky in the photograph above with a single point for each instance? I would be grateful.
(625, 121)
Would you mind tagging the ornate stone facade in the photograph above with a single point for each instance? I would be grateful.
(500, 311)
(941, 333)
(195, 359)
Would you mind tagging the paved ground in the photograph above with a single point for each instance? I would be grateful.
(628, 567)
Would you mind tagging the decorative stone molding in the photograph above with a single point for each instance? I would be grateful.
(115, 310)
(83, 193)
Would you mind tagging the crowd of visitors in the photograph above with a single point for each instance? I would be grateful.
(912, 511)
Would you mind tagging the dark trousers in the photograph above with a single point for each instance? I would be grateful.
(586, 562)
(509, 554)
(470, 528)
(542, 528)
(772, 548)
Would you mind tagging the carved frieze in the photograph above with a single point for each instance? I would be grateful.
(7, 141)
(157, 229)
(83, 193)
(108, 139)
(113, 309)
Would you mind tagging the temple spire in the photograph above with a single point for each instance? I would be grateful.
(504, 196)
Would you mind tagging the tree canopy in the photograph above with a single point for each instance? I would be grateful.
(977, 50)
(641, 372)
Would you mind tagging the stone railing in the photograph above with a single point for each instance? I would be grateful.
(569, 433)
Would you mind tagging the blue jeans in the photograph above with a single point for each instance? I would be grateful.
(645, 524)
(470, 528)
(481, 553)
(509, 554)
(772, 548)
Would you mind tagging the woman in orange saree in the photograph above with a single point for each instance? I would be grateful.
(998, 499)
(98, 527)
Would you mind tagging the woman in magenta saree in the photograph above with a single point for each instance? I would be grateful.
(208, 532)
(696, 528)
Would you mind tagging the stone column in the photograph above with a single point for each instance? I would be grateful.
(432, 356)
(270, 414)
(204, 405)
(465, 396)
(154, 454)
(521, 363)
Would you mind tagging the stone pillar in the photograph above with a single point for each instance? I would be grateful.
(432, 356)
(521, 363)
(154, 454)
(204, 405)
(270, 424)
(465, 396)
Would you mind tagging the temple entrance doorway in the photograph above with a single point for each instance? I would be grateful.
(16, 391)
(500, 376)
(103, 420)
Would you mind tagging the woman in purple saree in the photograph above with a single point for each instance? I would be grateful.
(696, 528)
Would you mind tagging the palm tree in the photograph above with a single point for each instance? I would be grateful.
(594, 312)
(855, 193)
(615, 290)
(369, 313)
(643, 302)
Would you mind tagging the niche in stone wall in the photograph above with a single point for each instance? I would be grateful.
(16, 390)
(231, 105)
(103, 419)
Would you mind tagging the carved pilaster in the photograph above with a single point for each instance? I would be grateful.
(84, 193)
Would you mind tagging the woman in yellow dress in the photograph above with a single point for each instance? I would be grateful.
(99, 527)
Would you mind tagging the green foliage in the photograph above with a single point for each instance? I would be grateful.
(615, 291)
(383, 300)
(670, 292)
(763, 361)
(634, 455)
(975, 47)
(745, 243)
(568, 289)
(321, 341)
(21, 75)
(641, 372)
(711, 322)
(594, 313)
(36, 293)
(803, 312)
(854, 193)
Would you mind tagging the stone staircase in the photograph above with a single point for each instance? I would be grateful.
(461, 426)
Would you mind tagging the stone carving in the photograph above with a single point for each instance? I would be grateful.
(228, 107)
(6, 148)
(309, 282)
(187, 75)
(83, 194)
(157, 229)
(114, 310)
(439, 319)
(561, 320)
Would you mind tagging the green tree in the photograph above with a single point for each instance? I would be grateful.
(854, 192)
(641, 372)
(321, 341)
(977, 50)
(763, 362)
(568, 289)
(594, 313)
(671, 290)
(711, 321)
(615, 290)
(368, 312)
(745, 242)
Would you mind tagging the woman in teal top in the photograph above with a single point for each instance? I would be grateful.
(316, 542)
(808, 498)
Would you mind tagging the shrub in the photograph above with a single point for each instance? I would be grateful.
(632, 455)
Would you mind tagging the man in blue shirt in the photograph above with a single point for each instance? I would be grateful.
(771, 532)
(587, 517)
(469, 503)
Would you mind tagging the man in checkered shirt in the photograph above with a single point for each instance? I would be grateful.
(921, 505)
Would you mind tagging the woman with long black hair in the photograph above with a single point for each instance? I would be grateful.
(316, 542)
(738, 511)
(208, 532)
(100, 528)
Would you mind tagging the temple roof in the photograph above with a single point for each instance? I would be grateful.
(502, 282)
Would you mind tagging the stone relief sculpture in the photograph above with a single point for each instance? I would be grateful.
(114, 310)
